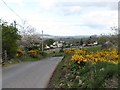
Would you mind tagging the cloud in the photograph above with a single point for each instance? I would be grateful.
(90, 1)
(14, 1)
(91, 21)
(104, 17)
(65, 17)
(75, 9)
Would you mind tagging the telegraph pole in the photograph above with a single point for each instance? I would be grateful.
(42, 40)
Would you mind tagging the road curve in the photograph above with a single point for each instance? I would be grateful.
(29, 74)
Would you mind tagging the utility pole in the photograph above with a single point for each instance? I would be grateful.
(0, 41)
(42, 40)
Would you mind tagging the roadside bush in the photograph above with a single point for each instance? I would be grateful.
(20, 53)
(83, 56)
(70, 51)
(33, 53)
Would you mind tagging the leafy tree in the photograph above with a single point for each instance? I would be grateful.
(9, 38)
(81, 42)
(49, 42)
(30, 40)
(102, 39)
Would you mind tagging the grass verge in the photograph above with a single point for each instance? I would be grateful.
(25, 58)
(56, 74)
(28, 58)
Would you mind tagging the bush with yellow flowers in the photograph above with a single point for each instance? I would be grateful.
(110, 56)
(20, 53)
(70, 51)
(33, 53)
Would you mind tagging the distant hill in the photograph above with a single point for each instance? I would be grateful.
(46, 36)
(70, 39)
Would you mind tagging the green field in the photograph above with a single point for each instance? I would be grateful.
(94, 49)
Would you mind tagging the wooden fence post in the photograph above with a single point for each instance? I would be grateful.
(5, 55)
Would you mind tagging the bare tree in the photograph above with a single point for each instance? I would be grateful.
(114, 35)
(29, 37)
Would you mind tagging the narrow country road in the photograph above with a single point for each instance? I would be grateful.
(29, 74)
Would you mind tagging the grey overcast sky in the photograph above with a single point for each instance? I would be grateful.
(64, 17)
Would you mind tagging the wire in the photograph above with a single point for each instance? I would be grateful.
(12, 10)
(14, 13)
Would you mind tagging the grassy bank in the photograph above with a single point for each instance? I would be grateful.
(27, 58)
(24, 58)
(59, 72)
(30, 59)
(70, 74)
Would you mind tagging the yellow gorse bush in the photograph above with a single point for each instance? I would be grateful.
(110, 56)
(20, 53)
(71, 50)
(33, 53)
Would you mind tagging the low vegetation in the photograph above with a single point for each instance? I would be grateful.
(94, 49)
(87, 69)
(30, 56)
(21, 56)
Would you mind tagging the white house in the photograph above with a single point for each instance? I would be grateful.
(95, 43)
(57, 44)
(53, 46)
(47, 47)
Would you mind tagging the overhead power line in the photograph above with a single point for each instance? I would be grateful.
(12, 10)
(23, 21)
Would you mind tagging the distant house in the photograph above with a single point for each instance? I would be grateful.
(53, 46)
(57, 44)
(47, 47)
(84, 45)
(93, 43)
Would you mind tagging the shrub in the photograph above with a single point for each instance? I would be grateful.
(83, 56)
(71, 50)
(20, 53)
(33, 53)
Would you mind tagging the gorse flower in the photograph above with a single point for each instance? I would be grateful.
(20, 53)
(33, 53)
(109, 56)
(71, 50)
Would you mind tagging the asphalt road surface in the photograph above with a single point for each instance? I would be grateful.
(30, 74)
